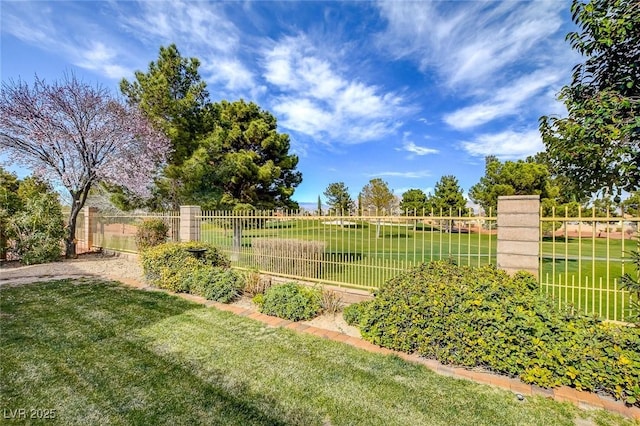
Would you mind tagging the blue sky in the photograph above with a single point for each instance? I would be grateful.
(407, 91)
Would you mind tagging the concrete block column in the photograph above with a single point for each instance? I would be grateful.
(519, 233)
(89, 226)
(190, 223)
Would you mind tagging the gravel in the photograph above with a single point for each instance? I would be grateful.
(121, 267)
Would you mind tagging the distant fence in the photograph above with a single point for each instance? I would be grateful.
(117, 231)
(578, 260)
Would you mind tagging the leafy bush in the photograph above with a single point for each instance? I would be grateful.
(150, 233)
(169, 265)
(353, 313)
(37, 231)
(214, 283)
(483, 317)
(631, 283)
(290, 301)
(258, 299)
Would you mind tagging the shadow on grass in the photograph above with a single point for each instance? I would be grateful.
(548, 260)
(562, 239)
(72, 346)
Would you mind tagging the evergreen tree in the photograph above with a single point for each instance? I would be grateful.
(414, 202)
(448, 197)
(510, 178)
(173, 97)
(338, 198)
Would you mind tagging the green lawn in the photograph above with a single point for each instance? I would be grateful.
(99, 353)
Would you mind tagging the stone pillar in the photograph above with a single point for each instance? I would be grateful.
(190, 223)
(519, 233)
(89, 226)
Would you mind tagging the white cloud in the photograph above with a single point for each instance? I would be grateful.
(412, 175)
(409, 146)
(202, 30)
(318, 100)
(304, 116)
(184, 23)
(497, 58)
(98, 57)
(507, 145)
(468, 42)
(417, 150)
(229, 72)
(507, 101)
(41, 26)
(30, 22)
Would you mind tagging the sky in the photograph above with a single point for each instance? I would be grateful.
(405, 91)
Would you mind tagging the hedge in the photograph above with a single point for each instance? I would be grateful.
(172, 266)
(290, 301)
(482, 317)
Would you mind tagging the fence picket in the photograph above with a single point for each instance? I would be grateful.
(581, 258)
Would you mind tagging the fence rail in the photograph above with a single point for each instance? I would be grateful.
(117, 232)
(358, 251)
(581, 259)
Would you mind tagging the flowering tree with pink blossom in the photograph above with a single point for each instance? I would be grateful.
(77, 135)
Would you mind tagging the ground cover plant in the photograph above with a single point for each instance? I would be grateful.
(292, 301)
(214, 283)
(482, 317)
(96, 352)
(192, 267)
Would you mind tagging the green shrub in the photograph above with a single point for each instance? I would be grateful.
(483, 317)
(213, 283)
(38, 230)
(291, 301)
(352, 314)
(631, 283)
(169, 265)
(258, 299)
(150, 233)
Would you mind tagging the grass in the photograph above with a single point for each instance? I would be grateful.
(97, 352)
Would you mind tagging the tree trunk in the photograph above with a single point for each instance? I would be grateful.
(70, 239)
(3, 241)
(77, 203)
